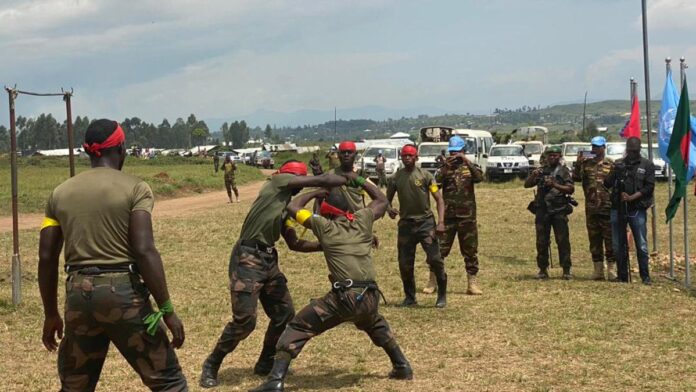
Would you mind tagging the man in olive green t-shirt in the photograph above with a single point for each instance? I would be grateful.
(346, 240)
(254, 272)
(103, 217)
(417, 224)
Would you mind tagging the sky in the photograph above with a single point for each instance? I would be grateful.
(246, 58)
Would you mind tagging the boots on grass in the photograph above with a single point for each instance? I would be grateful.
(472, 285)
(265, 363)
(276, 378)
(611, 271)
(410, 293)
(432, 284)
(441, 292)
(598, 271)
(209, 374)
(401, 369)
(566, 274)
(543, 274)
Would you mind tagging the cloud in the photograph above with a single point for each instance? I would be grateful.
(671, 14)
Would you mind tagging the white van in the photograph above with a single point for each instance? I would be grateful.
(570, 152)
(433, 140)
(391, 153)
(483, 142)
(532, 150)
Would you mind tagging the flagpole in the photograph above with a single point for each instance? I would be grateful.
(668, 66)
(687, 275)
(646, 67)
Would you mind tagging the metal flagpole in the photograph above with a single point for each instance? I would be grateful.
(646, 67)
(668, 65)
(687, 274)
(16, 262)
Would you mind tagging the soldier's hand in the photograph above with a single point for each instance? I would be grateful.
(393, 212)
(548, 182)
(440, 228)
(176, 327)
(52, 326)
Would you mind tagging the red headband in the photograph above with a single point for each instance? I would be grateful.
(328, 209)
(409, 150)
(115, 139)
(296, 168)
(347, 146)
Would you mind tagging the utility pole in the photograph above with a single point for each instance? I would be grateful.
(646, 69)
(16, 262)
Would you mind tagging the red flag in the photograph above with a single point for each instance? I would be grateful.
(632, 127)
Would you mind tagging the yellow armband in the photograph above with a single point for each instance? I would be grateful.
(433, 188)
(302, 216)
(49, 222)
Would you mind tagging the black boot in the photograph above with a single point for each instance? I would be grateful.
(441, 292)
(276, 379)
(401, 369)
(211, 366)
(410, 292)
(265, 363)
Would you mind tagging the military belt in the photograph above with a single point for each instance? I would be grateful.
(102, 269)
(258, 245)
(341, 286)
(112, 279)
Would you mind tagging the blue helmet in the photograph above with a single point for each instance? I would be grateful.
(456, 144)
(599, 141)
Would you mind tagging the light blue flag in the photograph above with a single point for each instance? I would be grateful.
(668, 111)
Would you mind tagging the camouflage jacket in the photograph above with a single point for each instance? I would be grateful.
(458, 190)
(592, 174)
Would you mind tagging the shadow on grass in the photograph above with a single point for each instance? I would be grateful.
(320, 379)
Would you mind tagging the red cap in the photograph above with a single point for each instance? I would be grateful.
(296, 168)
(409, 150)
(347, 146)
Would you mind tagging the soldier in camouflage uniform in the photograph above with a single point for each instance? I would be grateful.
(346, 239)
(592, 171)
(103, 217)
(254, 272)
(230, 169)
(417, 224)
(458, 176)
(554, 183)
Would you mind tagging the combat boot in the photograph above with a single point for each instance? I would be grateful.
(472, 285)
(401, 369)
(265, 363)
(276, 379)
(598, 271)
(543, 274)
(611, 271)
(432, 284)
(441, 292)
(410, 292)
(566, 274)
(209, 374)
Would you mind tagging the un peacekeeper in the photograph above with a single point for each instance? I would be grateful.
(102, 216)
(458, 176)
(254, 272)
(592, 170)
(230, 168)
(345, 236)
(332, 156)
(417, 224)
(553, 182)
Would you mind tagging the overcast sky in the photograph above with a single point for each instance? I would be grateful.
(226, 58)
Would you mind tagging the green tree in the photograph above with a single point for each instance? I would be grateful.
(268, 132)
(4, 139)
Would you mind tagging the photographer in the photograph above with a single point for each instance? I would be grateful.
(632, 182)
(554, 185)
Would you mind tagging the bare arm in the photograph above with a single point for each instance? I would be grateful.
(50, 244)
(531, 180)
(379, 200)
(440, 203)
(322, 181)
(150, 266)
(299, 245)
(299, 202)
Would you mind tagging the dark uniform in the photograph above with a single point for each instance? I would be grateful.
(315, 165)
(106, 307)
(416, 225)
(460, 212)
(597, 211)
(552, 211)
(216, 162)
(254, 274)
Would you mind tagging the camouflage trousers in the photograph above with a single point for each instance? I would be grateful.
(330, 311)
(411, 233)
(599, 233)
(100, 309)
(467, 233)
(559, 223)
(381, 178)
(255, 276)
(230, 185)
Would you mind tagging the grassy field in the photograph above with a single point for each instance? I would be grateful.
(521, 335)
(168, 177)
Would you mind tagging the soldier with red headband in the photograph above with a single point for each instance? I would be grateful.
(102, 216)
(417, 224)
(254, 272)
(347, 153)
(345, 236)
